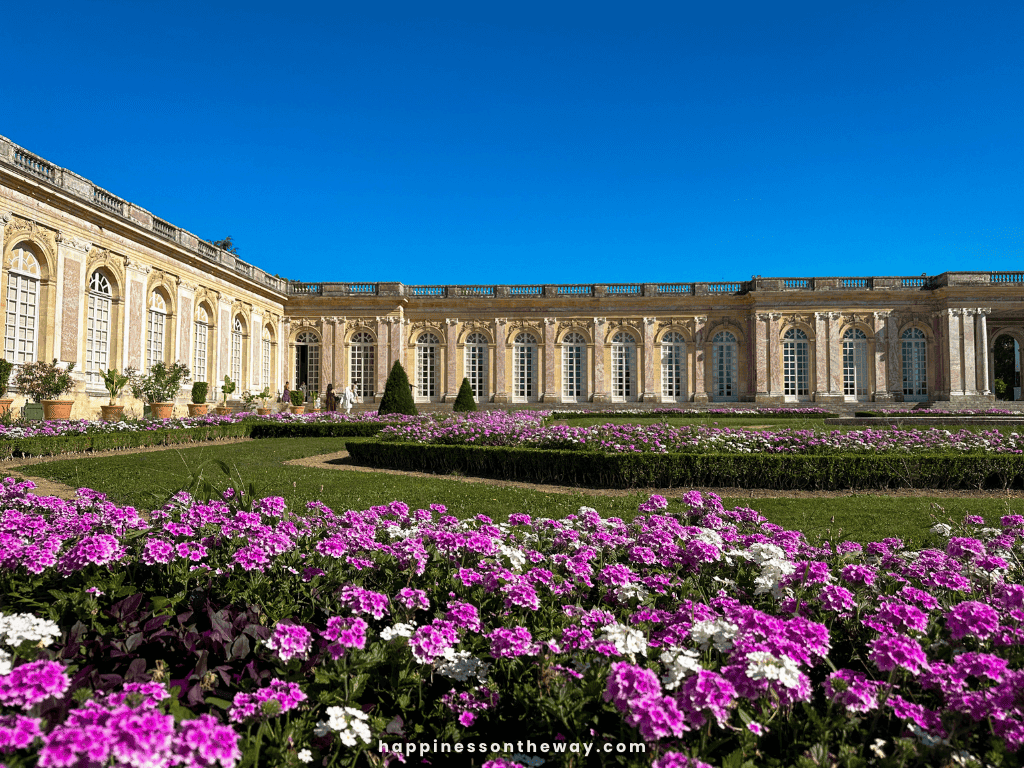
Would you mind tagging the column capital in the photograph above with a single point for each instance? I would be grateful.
(763, 317)
(700, 319)
(75, 243)
(882, 315)
(452, 320)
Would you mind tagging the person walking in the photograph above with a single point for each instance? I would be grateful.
(286, 397)
(332, 401)
(348, 398)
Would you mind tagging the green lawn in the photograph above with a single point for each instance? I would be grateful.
(146, 480)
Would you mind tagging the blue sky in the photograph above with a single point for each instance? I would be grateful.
(432, 143)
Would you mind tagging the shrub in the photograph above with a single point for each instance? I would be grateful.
(199, 390)
(5, 375)
(227, 387)
(465, 400)
(297, 397)
(44, 381)
(115, 382)
(397, 394)
(161, 384)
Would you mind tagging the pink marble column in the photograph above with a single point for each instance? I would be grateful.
(340, 347)
(981, 342)
(701, 355)
(600, 392)
(969, 352)
(651, 387)
(835, 355)
(952, 323)
(881, 358)
(894, 365)
(398, 327)
(774, 355)
(383, 358)
(500, 334)
(452, 383)
(550, 394)
(761, 320)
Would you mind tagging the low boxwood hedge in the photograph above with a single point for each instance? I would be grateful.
(54, 445)
(315, 429)
(825, 472)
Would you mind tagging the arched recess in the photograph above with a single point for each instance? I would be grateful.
(1006, 362)
(724, 366)
(575, 384)
(796, 364)
(29, 290)
(268, 357)
(625, 364)
(672, 347)
(159, 326)
(239, 353)
(915, 357)
(525, 366)
(362, 356)
(476, 355)
(102, 332)
(306, 343)
(856, 363)
(428, 384)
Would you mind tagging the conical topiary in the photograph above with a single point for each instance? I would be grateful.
(465, 401)
(397, 393)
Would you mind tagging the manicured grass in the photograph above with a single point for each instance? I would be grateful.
(146, 480)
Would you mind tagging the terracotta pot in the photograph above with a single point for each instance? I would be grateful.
(297, 409)
(57, 409)
(263, 411)
(5, 405)
(197, 409)
(111, 412)
(161, 410)
(222, 410)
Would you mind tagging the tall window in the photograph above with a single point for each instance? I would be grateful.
(236, 351)
(724, 366)
(855, 364)
(574, 368)
(155, 329)
(268, 348)
(476, 365)
(202, 334)
(524, 368)
(22, 315)
(307, 361)
(673, 367)
(795, 363)
(623, 366)
(426, 366)
(97, 329)
(915, 365)
(361, 355)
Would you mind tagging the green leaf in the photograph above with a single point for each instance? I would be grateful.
(222, 703)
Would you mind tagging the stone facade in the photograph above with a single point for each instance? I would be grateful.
(104, 283)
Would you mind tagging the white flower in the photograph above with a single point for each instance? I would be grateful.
(305, 756)
(5, 662)
(516, 558)
(462, 665)
(625, 639)
(877, 747)
(628, 591)
(350, 724)
(762, 665)
(941, 529)
(762, 552)
(399, 630)
(717, 632)
(16, 628)
(679, 663)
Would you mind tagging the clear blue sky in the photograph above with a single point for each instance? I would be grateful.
(558, 142)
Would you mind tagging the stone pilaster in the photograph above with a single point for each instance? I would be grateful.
(600, 387)
(650, 388)
(881, 357)
(952, 319)
(821, 356)
(326, 353)
(72, 253)
(894, 365)
(981, 350)
(340, 353)
(398, 327)
(285, 355)
(135, 315)
(383, 362)
(186, 323)
(835, 357)
(761, 368)
(775, 390)
(550, 394)
(970, 349)
(500, 352)
(223, 342)
(701, 354)
(452, 382)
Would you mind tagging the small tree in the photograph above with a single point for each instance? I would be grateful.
(6, 366)
(199, 390)
(465, 400)
(397, 394)
(227, 387)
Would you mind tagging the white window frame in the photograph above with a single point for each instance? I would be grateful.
(427, 364)
(156, 328)
(796, 365)
(236, 353)
(202, 342)
(855, 365)
(725, 367)
(267, 347)
(914, 348)
(624, 368)
(574, 368)
(362, 353)
(524, 368)
(673, 368)
(97, 328)
(476, 366)
(21, 332)
(312, 342)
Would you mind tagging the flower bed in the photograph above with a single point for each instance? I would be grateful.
(810, 412)
(236, 629)
(526, 428)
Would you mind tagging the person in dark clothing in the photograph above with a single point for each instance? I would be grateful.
(332, 400)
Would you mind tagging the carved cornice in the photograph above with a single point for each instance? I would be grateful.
(74, 243)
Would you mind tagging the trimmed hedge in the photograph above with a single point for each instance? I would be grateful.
(54, 445)
(647, 470)
(315, 429)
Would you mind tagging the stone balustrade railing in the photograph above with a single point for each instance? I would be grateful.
(23, 160)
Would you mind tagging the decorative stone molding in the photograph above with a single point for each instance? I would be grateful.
(75, 243)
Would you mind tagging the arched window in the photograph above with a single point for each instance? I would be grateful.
(97, 328)
(855, 364)
(574, 368)
(915, 365)
(236, 352)
(476, 365)
(724, 366)
(524, 368)
(623, 367)
(673, 367)
(361, 357)
(155, 329)
(795, 363)
(202, 336)
(267, 357)
(307, 361)
(22, 313)
(427, 354)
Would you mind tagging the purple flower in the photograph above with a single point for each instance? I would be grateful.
(430, 642)
(290, 641)
(286, 696)
(971, 618)
(18, 732)
(364, 601)
(891, 651)
(413, 598)
(853, 691)
(859, 574)
(28, 684)
(506, 643)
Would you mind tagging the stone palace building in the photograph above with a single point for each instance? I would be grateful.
(92, 279)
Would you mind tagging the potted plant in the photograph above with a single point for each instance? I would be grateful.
(159, 387)
(198, 405)
(263, 396)
(5, 376)
(227, 388)
(44, 383)
(298, 402)
(314, 402)
(249, 398)
(114, 382)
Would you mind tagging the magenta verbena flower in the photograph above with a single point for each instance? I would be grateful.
(511, 642)
(287, 696)
(853, 690)
(413, 598)
(628, 682)
(972, 618)
(432, 641)
(964, 548)
(891, 651)
(463, 615)
(835, 598)
(290, 641)
(346, 632)
(859, 574)
(364, 601)
(18, 732)
(678, 760)
(28, 684)
(706, 691)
